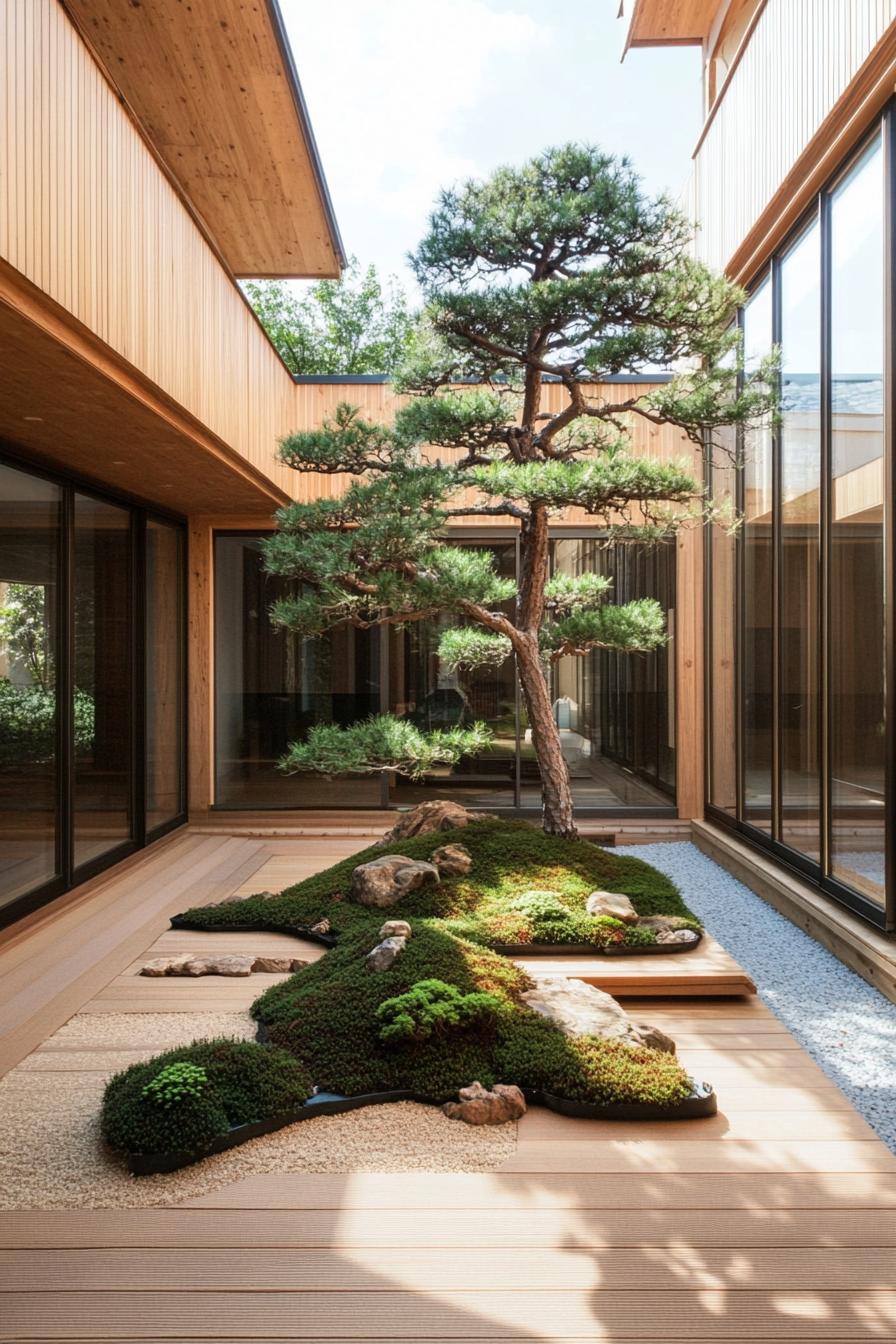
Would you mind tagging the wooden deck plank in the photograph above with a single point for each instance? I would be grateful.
(445, 1269)
(392, 1228)
(594, 1315)
(637, 1190)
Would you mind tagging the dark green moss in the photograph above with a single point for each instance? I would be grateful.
(510, 858)
(328, 1016)
(181, 1100)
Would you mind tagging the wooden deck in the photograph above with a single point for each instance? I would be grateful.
(773, 1221)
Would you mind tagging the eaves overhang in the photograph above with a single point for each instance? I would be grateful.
(212, 84)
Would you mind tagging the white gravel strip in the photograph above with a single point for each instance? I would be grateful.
(846, 1025)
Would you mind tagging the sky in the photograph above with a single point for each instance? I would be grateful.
(409, 96)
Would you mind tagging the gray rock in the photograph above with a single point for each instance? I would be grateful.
(395, 928)
(578, 1009)
(385, 954)
(452, 860)
(479, 1106)
(437, 815)
(658, 922)
(677, 936)
(383, 882)
(612, 903)
(322, 926)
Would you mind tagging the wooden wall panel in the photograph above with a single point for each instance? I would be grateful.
(89, 217)
(796, 69)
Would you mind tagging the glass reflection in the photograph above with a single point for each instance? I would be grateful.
(757, 667)
(800, 449)
(29, 589)
(164, 672)
(857, 692)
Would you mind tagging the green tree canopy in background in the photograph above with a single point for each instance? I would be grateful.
(357, 324)
(561, 269)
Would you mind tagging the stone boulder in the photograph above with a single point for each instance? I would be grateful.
(479, 1106)
(578, 1009)
(452, 860)
(229, 963)
(385, 954)
(395, 928)
(612, 903)
(658, 922)
(438, 815)
(277, 965)
(384, 881)
(683, 936)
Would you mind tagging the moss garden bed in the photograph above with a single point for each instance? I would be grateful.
(525, 891)
(336, 1036)
(448, 1010)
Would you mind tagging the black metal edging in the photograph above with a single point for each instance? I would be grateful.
(701, 1102)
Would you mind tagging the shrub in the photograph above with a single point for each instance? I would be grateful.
(432, 1008)
(181, 1100)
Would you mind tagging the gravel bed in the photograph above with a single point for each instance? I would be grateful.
(52, 1155)
(846, 1025)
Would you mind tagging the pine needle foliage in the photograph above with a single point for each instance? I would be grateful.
(561, 270)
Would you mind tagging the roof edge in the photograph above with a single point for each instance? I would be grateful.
(276, 16)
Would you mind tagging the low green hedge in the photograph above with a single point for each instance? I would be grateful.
(181, 1100)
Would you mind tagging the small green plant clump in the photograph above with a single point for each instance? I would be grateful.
(183, 1099)
(523, 887)
(433, 1008)
(176, 1084)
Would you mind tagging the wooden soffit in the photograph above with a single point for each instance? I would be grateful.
(664, 23)
(213, 87)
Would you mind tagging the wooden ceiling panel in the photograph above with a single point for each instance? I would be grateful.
(214, 88)
(66, 413)
(670, 22)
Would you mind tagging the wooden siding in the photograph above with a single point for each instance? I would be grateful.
(799, 65)
(90, 218)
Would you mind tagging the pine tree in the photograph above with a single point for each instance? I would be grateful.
(562, 269)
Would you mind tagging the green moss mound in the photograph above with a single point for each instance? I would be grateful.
(488, 905)
(183, 1099)
(330, 1015)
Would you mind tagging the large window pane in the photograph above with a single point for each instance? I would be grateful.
(164, 672)
(272, 686)
(857, 714)
(103, 706)
(615, 711)
(29, 593)
(722, 784)
(800, 448)
(423, 690)
(757, 665)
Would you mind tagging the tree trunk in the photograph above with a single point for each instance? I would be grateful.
(556, 794)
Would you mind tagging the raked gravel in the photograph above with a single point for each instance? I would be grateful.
(846, 1025)
(52, 1155)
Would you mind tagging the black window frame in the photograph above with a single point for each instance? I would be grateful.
(69, 875)
(882, 916)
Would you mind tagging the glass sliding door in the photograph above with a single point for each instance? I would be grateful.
(801, 642)
(165, 559)
(102, 786)
(757, 706)
(800, 514)
(720, 619)
(30, 536)
(857, 714)
(272, 686)
(424, 691)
